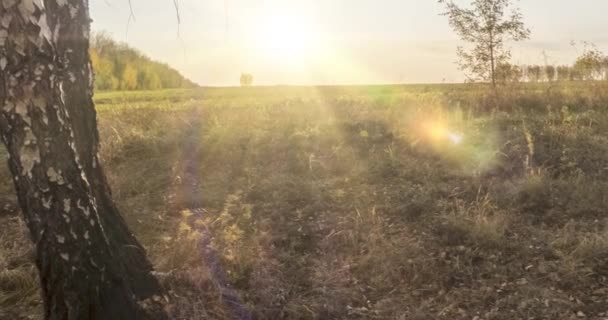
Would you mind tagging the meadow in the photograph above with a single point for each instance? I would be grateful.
(370, 202)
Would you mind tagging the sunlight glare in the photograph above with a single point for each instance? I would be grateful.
(288, 38)
(438, 131)
(455, 137)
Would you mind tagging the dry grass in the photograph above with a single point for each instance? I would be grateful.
(331, 203)
(18, 276)
(480, 223)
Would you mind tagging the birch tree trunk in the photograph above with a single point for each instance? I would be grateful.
(90, 265)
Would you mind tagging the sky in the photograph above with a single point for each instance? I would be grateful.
(304, 42)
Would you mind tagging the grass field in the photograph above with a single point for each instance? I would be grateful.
(354, 203)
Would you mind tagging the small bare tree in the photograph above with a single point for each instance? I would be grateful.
(246, 80)
(486, 26)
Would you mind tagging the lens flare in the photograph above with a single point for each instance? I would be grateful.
(455, 137)
(438, 132)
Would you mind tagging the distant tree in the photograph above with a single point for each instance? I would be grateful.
(591, 65)
(563, 73)
(487, 25)
(524, 73)
(550, 72)
(246, 80)
(575, 74)
(104, 72)
(118, 66)
(128, 79)
(147, 79)
(534, 73)
(506, 73)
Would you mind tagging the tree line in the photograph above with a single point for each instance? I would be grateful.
(117, 66)
(592, 65)
(487, 25)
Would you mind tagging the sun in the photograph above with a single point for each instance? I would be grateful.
(287, 38)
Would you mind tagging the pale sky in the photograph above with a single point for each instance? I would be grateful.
(332, 41)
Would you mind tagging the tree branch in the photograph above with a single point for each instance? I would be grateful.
(177, 14)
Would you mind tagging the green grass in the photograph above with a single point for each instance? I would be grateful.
(335, 203)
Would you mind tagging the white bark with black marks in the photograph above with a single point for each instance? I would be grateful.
(91, 267)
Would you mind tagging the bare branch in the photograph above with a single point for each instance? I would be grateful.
(131, 18)
(179, 20)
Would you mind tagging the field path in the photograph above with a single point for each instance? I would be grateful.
(190, 183)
